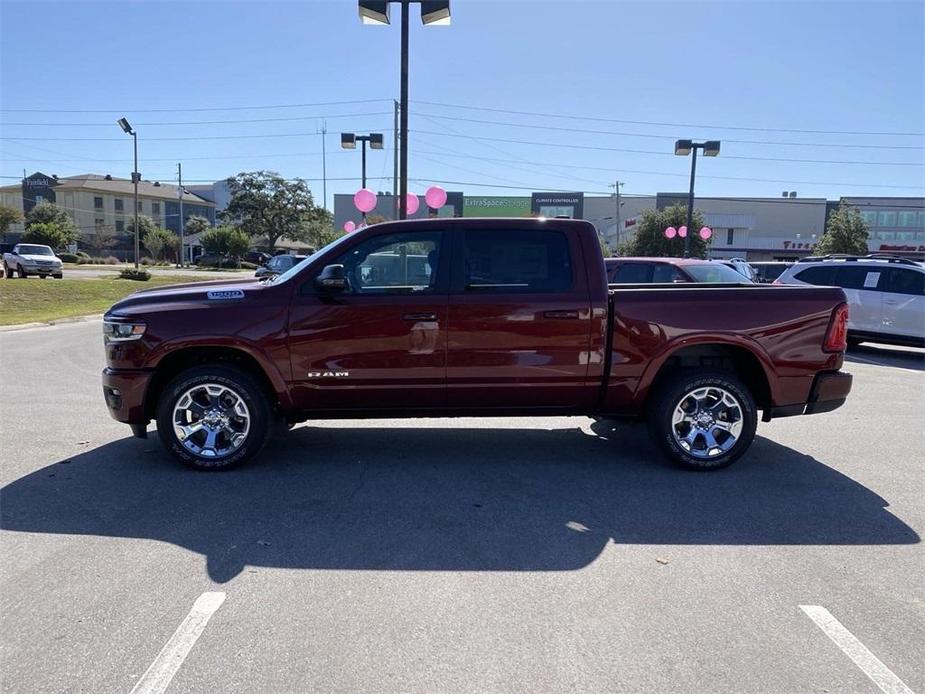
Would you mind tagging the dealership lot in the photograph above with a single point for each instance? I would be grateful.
(458, 555)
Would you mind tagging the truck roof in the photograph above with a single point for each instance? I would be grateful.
(670, 261)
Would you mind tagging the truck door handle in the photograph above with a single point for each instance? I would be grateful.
(419, 316)
(561, 315)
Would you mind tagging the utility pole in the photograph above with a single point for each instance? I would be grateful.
(324, 164)
(616, 188)
(403, 116)
(180, 196)
(394, 163)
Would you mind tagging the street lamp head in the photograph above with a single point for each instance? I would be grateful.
(711, 148)
(126, 128)
(376, 141)
(683, 147)
(435, 12)
(374, 11)
(348, 141)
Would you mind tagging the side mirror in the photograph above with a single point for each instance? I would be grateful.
(332, 279)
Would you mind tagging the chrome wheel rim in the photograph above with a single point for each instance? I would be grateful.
(211, 420)
(707, 422)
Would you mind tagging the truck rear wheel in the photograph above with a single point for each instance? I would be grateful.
(213, 417)
(703, 419)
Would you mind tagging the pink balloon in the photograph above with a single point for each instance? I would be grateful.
(435, 197)
(670, 232)
(705, 233)
(349, 226)
(364, 200)
(412, 203)
(682, 232)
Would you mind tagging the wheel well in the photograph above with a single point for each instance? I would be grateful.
(178, 361)
(738, 360)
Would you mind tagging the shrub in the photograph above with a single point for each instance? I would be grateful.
(69, 257)
(151, 261)
(82, 254)
(248, 266)
(133, 274)
(111, 260)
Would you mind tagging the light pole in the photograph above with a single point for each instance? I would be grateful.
(682, 148)
(349, 141)
(377, 12)
(126, 128)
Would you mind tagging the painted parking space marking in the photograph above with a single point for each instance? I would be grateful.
(158, 676)
(879, 673)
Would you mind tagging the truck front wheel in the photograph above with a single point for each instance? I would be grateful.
(703, 419)
(213, 417)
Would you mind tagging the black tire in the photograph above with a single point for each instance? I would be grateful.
(58, 277)
(22, 274)
(41, 277)
(669, 396)
(241, 384)
(8, 271)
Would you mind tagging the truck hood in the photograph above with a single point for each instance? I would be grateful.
(213, 293)
(36, 258)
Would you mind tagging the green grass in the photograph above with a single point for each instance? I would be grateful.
(35, 300)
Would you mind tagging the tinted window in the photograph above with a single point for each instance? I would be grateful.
(633, 273)
(901, 281)
(821, 274)
(715, 272)
(854, 277)
(665, 273)
(516, 261)
(34, 250)
(392, 264)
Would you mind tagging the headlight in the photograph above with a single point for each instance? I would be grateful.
(122, 332)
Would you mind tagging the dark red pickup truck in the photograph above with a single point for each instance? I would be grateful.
(453, 317)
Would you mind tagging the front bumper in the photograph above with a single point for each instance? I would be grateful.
(829, 391)
(124, 391)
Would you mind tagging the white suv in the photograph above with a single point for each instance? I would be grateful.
(886, 295)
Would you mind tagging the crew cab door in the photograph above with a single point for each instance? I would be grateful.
(904, 302)
(380, 343)
(519, 320)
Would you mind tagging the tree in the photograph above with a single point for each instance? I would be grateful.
(845, 232)
(101, 238)
(649, 239)
(45, 233)
(9, 215)
(226, 241)
(238, 243)
(145, 223)
(160, 243)
(266, 205)
(47, 213)
(195, 225)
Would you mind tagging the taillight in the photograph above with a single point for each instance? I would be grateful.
(836, 337)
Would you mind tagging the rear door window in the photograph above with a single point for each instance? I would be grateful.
(666, 274)
(633, 273)
(902, 281)
(820, 274)
(513, 260)
(855, 277)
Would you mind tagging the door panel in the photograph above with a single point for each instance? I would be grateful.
(864, 288)
(519, 322)
(904, 303)
(381, 343)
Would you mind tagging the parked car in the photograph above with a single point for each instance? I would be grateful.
(742, 267)
(631, 270)
(505, 317)
(278, 264)
(886, 294)
(32, 259)
(769, 271)
(257, 257)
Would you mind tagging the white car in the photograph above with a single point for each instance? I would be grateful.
(32, 259)
(886, 295)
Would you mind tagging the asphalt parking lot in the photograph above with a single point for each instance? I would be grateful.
(555, 554)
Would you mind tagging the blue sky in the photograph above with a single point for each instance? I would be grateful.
(750, 74)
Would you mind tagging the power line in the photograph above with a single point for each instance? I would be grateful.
(165, 139)
(207, 122)
(122, 109)
(672, 125)
(669, 154)
(532, 126)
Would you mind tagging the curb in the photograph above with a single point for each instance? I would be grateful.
(51, 323)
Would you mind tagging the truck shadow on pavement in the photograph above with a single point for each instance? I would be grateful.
(453, 499)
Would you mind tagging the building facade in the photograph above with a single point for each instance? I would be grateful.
(101, 203)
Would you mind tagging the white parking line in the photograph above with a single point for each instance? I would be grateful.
(879, 673)
(174, 652)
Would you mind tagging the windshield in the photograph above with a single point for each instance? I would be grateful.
(715, 272)
(35, 250)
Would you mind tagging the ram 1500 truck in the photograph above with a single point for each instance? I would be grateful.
(469, 317)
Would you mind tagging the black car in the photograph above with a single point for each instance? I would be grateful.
(769, 271)
(257, 257)
(278, 264)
